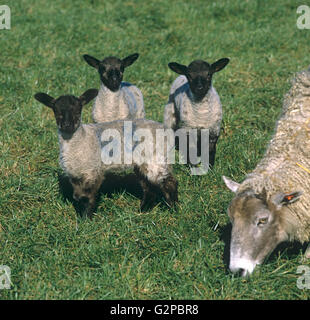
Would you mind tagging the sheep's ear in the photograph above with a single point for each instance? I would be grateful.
(88, 95)
(93, 62)
(281, 198)
(178, 68)
(231, 185)
(219, 65)
(130, 60)
(45, 99)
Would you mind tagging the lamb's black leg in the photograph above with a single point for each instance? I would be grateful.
(212, 156)
(149, 196)
(169, 188)
(149, 191)
(85, 192)
(212, 150)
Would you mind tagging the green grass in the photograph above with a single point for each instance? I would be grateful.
(121, 253)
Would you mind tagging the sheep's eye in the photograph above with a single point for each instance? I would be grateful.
(262, 221)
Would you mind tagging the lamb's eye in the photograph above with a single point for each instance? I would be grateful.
(262, 221)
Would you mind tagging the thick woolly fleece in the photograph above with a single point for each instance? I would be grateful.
(286, 164)
(182, 111)
(124, 104)
(81, 155)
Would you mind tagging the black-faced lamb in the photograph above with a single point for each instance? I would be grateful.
(116, 100)
(272, 204)
(82, 149)
(194, 103)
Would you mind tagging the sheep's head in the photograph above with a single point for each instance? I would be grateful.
(67, 109)
(257, 225)
(111, 69)
(199, 74)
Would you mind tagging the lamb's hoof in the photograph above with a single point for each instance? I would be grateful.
(146, 206)
(86, 214)
(172, 203)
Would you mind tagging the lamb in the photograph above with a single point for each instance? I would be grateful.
(117, 100)
(194, 103)
(83, 146)
(272, 204)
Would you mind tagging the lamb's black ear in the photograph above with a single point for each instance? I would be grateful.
(93, 62)
(178, 68)
(45, 99)
(219, 65)
(88, 95)
(130, 60)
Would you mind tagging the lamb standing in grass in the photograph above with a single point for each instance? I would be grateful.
(116, 100)
(81, 147)
(194, 103)
(272, 204)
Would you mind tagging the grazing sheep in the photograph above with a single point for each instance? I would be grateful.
(272, 204)
(116, 100)
(83, 146)
(193, 101)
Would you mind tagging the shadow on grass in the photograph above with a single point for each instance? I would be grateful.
(225, 235)
(113, 183)
(289, 249)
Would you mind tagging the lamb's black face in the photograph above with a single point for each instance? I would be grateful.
(67, 110)
(199, 78)
(111, 71)
(199, 74)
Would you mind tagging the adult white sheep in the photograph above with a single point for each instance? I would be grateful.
(194, 103)
(116, 100)
(272, 204)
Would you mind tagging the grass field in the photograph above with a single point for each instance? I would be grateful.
(122, 253)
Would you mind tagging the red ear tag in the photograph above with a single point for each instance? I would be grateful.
(289, 198)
